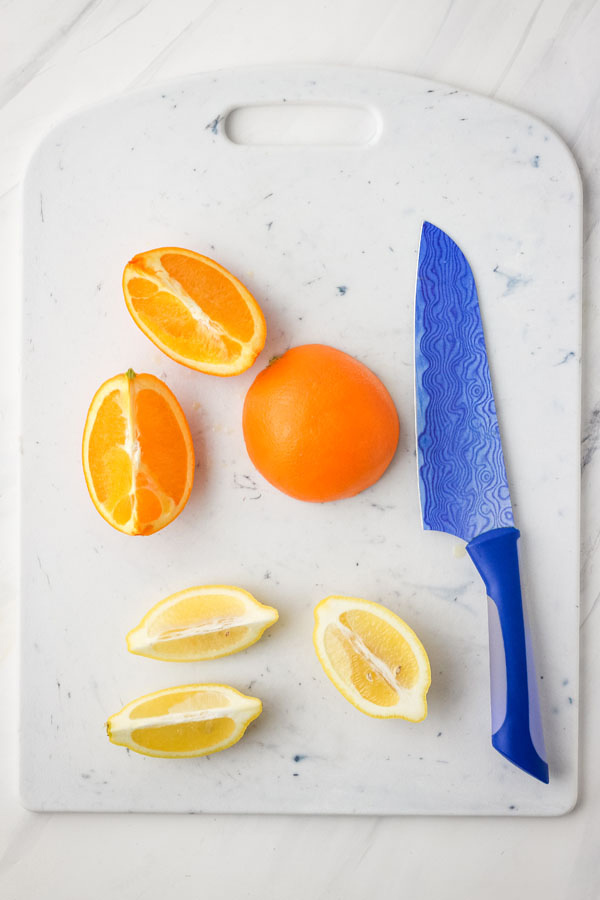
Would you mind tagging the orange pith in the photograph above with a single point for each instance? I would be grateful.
(138, 457)
(194, 310)
(319, 425)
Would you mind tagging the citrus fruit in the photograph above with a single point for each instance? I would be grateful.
(138, 457)
(194, 310)
(201, 623)
(372, 657)
(319, 425)
(190, 720)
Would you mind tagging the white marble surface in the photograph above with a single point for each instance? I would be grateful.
(542, 58)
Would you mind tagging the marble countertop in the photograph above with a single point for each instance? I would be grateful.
(61, 55)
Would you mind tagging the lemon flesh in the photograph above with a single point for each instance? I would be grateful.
(372, 657)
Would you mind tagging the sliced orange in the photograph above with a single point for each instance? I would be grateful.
(138, 457)
(372, 657)
(203, 622)
(194, 310)
(190, 720)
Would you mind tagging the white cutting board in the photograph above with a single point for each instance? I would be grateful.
(326, 238)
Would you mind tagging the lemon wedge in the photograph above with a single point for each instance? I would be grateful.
(201, 623)
(372, 657)
(190, 720)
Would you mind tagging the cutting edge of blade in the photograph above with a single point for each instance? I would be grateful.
(416, 399)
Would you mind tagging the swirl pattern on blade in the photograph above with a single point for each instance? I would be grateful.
(463, 484)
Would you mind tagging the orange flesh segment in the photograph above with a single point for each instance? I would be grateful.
(141, 287)
(213, 292)
(110, 465)
(171, 321)
(123, 511)
(163, 451)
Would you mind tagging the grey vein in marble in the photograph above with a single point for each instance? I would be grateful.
(21, 78)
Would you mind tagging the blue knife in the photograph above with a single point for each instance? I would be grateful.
(463, 485)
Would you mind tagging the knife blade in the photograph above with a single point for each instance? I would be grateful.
(463, 485)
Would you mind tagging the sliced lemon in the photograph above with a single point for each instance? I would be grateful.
(201, 623)
(190, 720)
(373, 658)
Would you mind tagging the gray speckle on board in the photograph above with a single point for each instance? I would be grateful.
(512, 281)
(213, 126)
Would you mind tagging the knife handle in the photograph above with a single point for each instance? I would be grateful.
(516, 722)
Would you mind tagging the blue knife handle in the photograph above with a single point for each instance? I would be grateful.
(516, 722)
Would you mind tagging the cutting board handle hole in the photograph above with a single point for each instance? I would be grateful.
(294, 124)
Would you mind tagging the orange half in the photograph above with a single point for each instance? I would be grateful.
(138, 456)
(194, 310)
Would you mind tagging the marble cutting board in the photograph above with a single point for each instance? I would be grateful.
(326, 237)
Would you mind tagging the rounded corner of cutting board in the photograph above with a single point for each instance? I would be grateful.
(570, 802)
(38, 153)
(566, 151)
(27, 796)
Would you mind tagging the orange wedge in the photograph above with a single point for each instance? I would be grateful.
(138, 457)
(194, 310)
